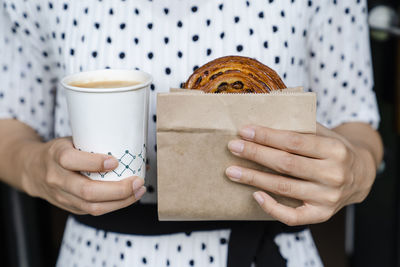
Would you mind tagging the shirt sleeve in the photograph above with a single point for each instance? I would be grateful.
(27, 85)
(339, 60)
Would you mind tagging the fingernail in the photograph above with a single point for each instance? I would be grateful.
(258, 198)
(236, 146)
(234, 172)
(110, 163)
(137, 183)
(247, 133)
(139, 193)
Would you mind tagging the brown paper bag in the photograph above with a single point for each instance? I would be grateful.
(193, 130)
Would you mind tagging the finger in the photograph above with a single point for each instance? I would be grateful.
(67, 208)
(100, 191)
(60, 198)
(278, 160)
(308, 145)
(100, 208)
(97, 208)
(276, 184)
(305, 214)
(76, 160)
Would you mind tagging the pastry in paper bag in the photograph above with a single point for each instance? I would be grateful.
(193, 130)
(234, 74)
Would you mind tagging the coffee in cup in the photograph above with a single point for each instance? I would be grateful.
(108, 112)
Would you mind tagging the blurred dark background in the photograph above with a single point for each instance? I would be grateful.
(362, 235)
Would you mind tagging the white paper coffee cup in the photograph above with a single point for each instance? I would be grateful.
(110, 120)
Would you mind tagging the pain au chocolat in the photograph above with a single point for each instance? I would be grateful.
(234, 74)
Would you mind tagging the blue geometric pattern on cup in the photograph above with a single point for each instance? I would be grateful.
(125, 163)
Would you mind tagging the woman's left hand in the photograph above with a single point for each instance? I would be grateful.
(328, 171)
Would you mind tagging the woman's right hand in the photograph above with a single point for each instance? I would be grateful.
(51, 171)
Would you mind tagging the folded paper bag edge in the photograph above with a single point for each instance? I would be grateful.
(297, 89)
(189, 112)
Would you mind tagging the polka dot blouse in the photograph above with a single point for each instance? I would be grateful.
(321, 45)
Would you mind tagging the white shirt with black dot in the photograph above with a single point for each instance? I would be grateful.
(323, 46)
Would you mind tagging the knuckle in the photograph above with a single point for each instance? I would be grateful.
(340, 150)
(338, 178)
(251, 178)
(284, 188)
(333, 198)
(263, 136)
(294, 142)
(287, 163)
(253, 151)
(58, 145)
(52, 180)
(95, 209)
(63, 157)
(60, 199)
(291, 220)
(87, 192)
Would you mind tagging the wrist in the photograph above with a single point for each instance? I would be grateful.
(365, 173)
(30, 155)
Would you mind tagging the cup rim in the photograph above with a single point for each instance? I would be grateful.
(147, 77)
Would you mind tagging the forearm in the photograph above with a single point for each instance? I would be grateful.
(16, 143)
(363, 135)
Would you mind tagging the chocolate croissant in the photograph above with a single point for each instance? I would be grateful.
(234, 74)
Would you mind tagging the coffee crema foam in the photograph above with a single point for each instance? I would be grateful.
(104, 84)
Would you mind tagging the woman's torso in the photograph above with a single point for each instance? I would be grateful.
(168, 39)
(321, 46)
